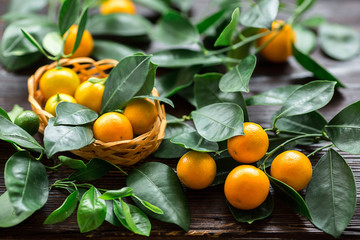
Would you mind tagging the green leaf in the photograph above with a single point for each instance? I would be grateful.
(121, 25)
(246, 38)
(53, 43)
(65, 138)
(148, 205)
(275, 96)
(12, 133)
(344, 129)
(65, 210)
(72, 163)
(237, 79)
(260, 15)
(224, 164)
(95, 168)
(339, 42)
(291, 197)
(174, 29)
(250, 216)
(21, 7)
(305, 39)
(157, 183)
(219, 121)
(68, 14)
(81, 29)
(160, 6)
(4, 114)
(195, 142)
(313, 21)
(207, 92)
(149, 83)
(124, 81)
(116, 194)
(8, 217)
(309, 97)
(311, 65)
(177, 58)
(34, 42)
(104, 49)
(91, 211)
(226, 35)
(110, 214)
(15, 111)
(160, 99)
(184, 5)
(209, 21)
(26, 181)
(73, 114)
(331, 194)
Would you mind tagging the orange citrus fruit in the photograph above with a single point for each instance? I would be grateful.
(89, 94)
(58, 80)
(86, 44)
(142, 114)
(279, 41)
(246, 187)
(117, 6)
(293, 168)
(251, 146)
(111, 127)
(53, 101)
(196, 170)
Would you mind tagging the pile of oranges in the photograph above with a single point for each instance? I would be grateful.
(246, 186)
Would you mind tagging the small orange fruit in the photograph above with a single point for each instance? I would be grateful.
(246, 187)
(293, 168)
(111, 127)
(117, 6)
(89, 94)
(251, 146)
(142, 114)
(86, 44)
(52, 102)
(58, 80)
(196, 170)
(279, 48)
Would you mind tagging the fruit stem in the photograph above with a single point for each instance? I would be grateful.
(319, 149)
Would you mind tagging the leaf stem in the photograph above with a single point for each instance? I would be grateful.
(54, 168)
(41, 155)
(319, 149)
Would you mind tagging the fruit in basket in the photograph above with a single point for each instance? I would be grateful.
(142, 114)
(86, 44)
(251, 146)
(53, 101)
(111, 127)
(293, 168)
(58, 80)
(278, 43)
(196, 170)
(246, 187)
(29, 121)
(90, 93)
(117, 6)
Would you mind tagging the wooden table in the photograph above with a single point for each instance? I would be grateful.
(210, 216)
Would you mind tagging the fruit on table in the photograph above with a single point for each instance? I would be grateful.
(58, 80)
(86, 45)
(196, 170)
(53, 101)
(90, 93)
(29, 121)
(117, 6)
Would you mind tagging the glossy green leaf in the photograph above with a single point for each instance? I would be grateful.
(53, 43)
(158, 184)
(195, 142)
(309, 97)
(34, 42)
(148, 205)
(311, 65)
(8, 217)
(160, 6)
(174, 29)
(224, 164)
(116, 194)
(275, 96)
(68, 14)
(246, 38)
(81, 29)
(219, 121)
(250, 216)
(68, 113)
(305, 39)
(95, 168)
(26, 182)
(72, 163)
(65, 138)
(237, 79)
(91, 212)
(344, 129)
(331, 194)
(226, 35)
(121, 25)
(15, 111)
(136, 219)
(261, 14)
(209, 21)
(119, 214)
(124, 81)
(4, 114)
(149, 83)
(339, 42)
(12, 133)
(110, 214)
(160, 99)
(104, 49)
(65, 210)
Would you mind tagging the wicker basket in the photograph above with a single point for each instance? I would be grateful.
(123, 153)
